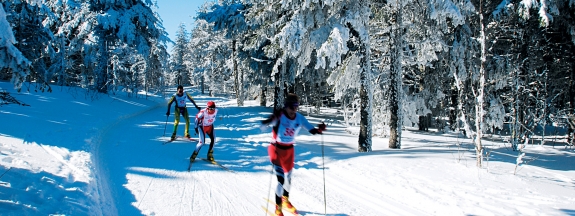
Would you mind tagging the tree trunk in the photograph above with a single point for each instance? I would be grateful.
(102, 68)
(453, 112)
(279, 89)
(366, 97)
(571, 107)
(366, 89)
(237, 76)
(202, 83)
(479, 110)
(263, 96)
(395, 87)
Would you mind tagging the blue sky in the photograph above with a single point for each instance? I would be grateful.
(174, 12)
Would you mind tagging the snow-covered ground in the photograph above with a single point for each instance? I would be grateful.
(68, 154)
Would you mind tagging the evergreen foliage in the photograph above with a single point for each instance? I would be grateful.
(480, 66)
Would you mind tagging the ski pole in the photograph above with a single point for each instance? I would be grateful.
(270, 187)
(166, 125)
(323, 168)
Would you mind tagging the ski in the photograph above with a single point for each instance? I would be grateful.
(271, 213)
(268, 211)
(178, 138)
(211, 162)
(217, 164)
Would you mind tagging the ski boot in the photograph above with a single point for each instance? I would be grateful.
(211, 155)
(193, 157)
(188, 136)
(278, 211)
(173, 137)
(288, 206)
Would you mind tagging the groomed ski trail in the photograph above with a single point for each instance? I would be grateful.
(146, 178)
(156, 182)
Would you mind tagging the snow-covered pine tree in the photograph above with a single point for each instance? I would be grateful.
(334, 34)
(425, 81)
(179, 50)
(422, 83)
(157, 62)
(546, 55)
(561, 88)
(336, 48)
(379, 33)
(199, 55)
(74, 22)
(464, 65)
(33, 39)
(266, 19)
(209, 55)
(123, 22)
(158, 58)
(13, 65)
(228, 16)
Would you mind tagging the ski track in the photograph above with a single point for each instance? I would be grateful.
(210, 190)
(341, 197)
(206, 190)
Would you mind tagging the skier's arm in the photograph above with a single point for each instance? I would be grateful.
(273, 118)
(170, 104)
(310, 127)
(304, 122)
(198, 121)
(192, 100)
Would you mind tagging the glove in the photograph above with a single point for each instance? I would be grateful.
(321, 126)
(196, 129)
(315, 131)
(168, 113)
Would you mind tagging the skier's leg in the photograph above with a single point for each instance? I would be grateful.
(210, 132)
(187, 118)
(288, 164)
(280, 157)
(202, 140)
(176, 122)
(279, 172)
(199, 144)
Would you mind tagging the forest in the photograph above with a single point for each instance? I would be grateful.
(479, 66)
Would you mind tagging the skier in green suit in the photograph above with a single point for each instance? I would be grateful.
(180, 98)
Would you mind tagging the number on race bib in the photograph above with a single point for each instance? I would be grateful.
(289, 132)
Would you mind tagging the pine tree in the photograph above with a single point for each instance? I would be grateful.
(33, 39)
(177, 58)
(13, 65)
(123, 22)
(229, 18)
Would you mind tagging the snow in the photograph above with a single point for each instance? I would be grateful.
(68, 154)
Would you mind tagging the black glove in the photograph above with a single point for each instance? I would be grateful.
(168, 113)
(196, 129)
(315, 131)
(321, 126)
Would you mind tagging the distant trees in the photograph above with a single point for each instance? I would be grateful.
(177, 67)
(100, 46)
(476, 65)
(461, 60)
